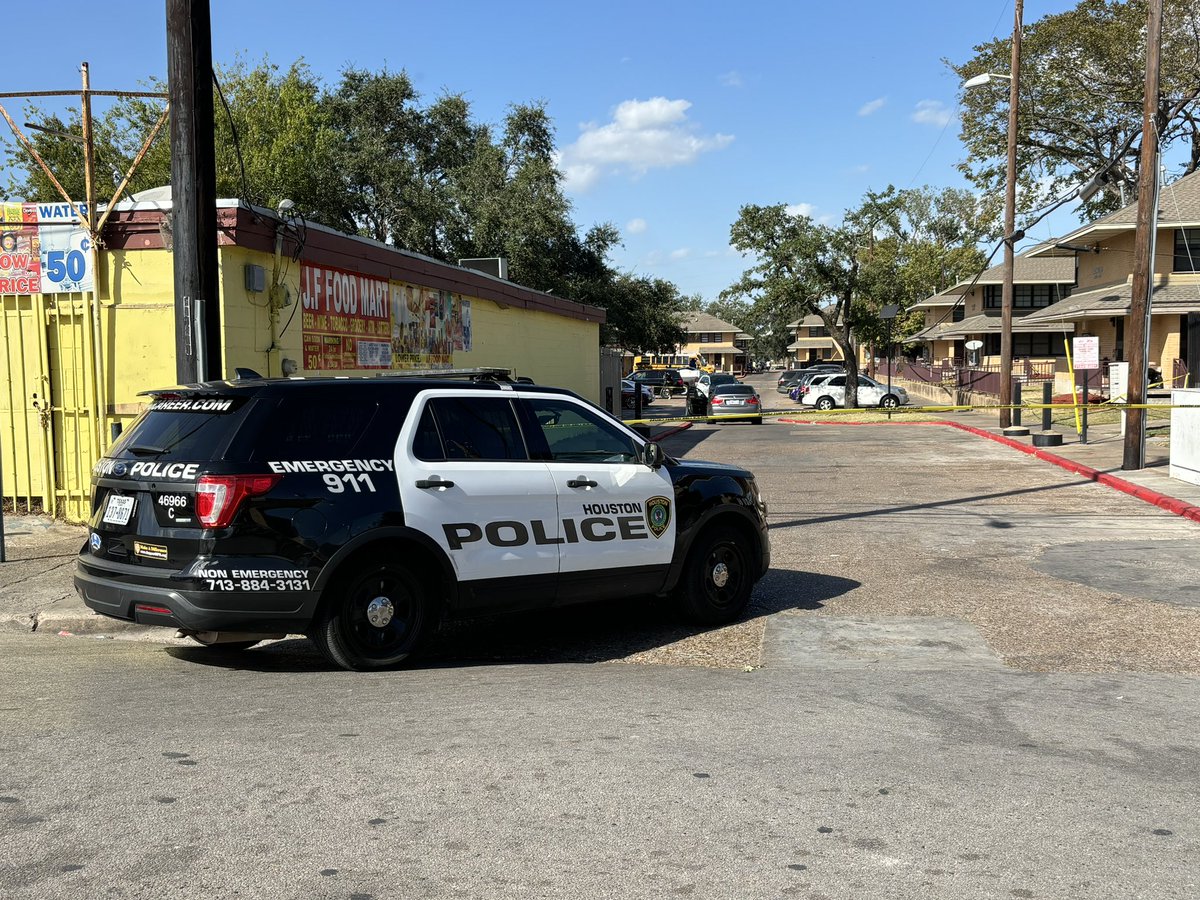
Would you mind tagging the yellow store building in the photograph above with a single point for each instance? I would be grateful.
(85, 330)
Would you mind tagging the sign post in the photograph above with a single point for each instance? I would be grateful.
(1086, 350)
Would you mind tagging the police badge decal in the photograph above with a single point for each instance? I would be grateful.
(658, 515)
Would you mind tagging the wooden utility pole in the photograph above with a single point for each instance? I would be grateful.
(1143, 253)
(193, 192)
(1010, 224)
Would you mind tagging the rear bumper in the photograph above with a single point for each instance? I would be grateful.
(117, 596)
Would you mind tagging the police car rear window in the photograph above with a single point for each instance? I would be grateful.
(184, 428)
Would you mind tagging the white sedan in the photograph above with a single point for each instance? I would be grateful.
(830, 392)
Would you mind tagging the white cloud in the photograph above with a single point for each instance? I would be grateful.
(643, 135)
(732, 79)
(635, 226)
(800, 209)
(874, 106)
(681, 253)
(932, 112)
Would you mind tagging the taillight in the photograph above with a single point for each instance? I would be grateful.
(218, 497)
(753, 401)
(717, 401)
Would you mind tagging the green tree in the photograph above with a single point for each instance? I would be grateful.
(801, 268)
(644, 314)
(1082, 77)
(913, 243)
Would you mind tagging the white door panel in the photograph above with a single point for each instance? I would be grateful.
(617, 518)
(499, 519)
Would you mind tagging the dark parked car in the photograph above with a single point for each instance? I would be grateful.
(792, 377)
(664, 382)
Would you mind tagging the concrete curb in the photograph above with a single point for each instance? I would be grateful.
(84, 622)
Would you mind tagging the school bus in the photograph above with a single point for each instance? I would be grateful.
(672, 361)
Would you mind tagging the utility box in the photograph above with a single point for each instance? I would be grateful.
(1185, 435)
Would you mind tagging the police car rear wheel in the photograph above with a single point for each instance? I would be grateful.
(375, 617)
(717, 585)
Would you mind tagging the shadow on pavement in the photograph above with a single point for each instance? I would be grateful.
(913, 507)
(600, 632)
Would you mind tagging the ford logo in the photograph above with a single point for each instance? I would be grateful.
(120, 468)
(94, 540)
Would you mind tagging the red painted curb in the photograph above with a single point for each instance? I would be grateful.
(1145, 494)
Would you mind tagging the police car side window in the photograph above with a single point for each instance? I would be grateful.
(575, 433)
(478, 428)
(325, 426)
(427, 443)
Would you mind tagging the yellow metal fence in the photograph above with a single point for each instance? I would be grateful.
(50, 432)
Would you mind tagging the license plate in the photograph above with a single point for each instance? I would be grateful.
(736, 402)
(119, 509)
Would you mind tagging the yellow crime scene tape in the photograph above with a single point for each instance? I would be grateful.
(908, 410)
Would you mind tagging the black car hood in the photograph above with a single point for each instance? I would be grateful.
(685, 468)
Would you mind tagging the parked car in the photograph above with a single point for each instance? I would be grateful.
(735, 401)
(788, 379)
(827, 393)
(807, 377)
(664, 382)
(629, 389)
(706, 382)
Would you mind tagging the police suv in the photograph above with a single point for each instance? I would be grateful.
(363, 512)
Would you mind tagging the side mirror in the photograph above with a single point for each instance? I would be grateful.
(652, 454)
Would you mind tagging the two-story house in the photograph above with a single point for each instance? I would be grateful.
(1103, 254)
(720, 344)
(970, 311)
(813, 343)
(708, 341)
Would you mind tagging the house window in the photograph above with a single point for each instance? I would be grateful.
(959, 313)
(1026, 297)
(1046, 344)
(1187, 249)
(819, 331)
(826, 353)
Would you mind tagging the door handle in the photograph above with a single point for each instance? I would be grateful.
(581, 482)
(434, 483)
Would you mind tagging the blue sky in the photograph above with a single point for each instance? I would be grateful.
(670, 115)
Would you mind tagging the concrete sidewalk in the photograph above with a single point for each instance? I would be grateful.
(1100, 459)
(36, 592)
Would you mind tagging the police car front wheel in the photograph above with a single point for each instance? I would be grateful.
(374, 617)
(718, 580)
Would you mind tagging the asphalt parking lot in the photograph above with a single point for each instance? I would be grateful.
(968, 674)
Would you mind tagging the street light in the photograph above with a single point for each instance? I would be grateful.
(983, 79)
(1010, 204)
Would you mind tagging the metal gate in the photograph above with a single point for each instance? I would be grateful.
(49, 434)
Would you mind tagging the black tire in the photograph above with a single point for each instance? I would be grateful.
(889, 402)
(825, 403)
(757, 421)
(711, 596)
(664, 393)
(344, 631)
